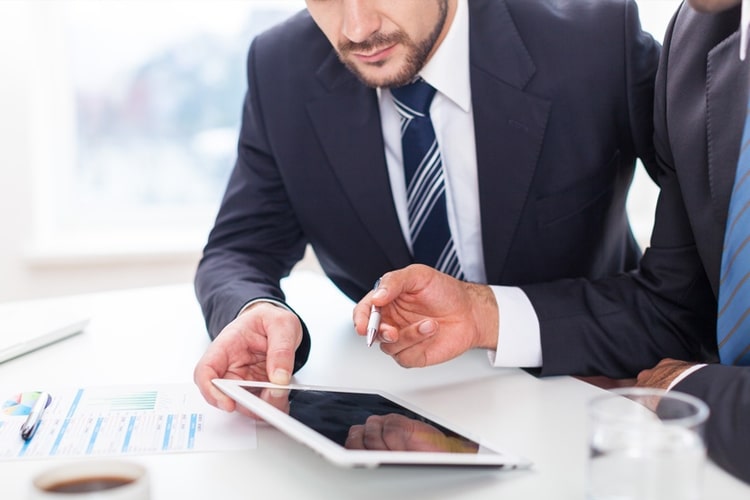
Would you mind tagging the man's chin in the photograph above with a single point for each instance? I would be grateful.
(712, 5)
(381, 74)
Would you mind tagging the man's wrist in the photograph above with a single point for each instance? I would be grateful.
(303, 350)
(263, 300)
(484, 314)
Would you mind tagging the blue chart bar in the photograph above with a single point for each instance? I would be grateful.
(94, 435)
(128, 434)
(167, 433)
(66, 422)
(193, 428)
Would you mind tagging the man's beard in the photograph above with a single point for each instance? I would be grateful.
(417, 52)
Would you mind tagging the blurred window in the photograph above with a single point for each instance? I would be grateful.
(156, 90)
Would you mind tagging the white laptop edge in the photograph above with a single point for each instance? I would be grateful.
(35, 342)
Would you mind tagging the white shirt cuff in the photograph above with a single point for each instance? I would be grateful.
(679, 378)
(264, 299)
(519, 342)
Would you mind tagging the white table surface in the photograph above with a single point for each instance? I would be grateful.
(155, 336)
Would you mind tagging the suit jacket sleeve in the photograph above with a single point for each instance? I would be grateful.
(641, 59)
(726, 390)
(620, 325)
(256, 239)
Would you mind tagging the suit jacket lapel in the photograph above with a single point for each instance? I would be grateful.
(509, 129)
(726, 98)
(347, 123)
(509, 126)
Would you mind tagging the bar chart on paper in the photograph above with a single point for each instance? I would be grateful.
(109, 421)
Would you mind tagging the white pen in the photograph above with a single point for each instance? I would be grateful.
(374, 322)
(35, 416)
(744, 26)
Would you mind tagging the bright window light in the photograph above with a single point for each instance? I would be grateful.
(152, 101)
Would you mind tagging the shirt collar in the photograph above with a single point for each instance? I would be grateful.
(448, 68)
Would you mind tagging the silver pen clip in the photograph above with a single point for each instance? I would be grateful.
(31, 424)
(374, 323)
(744, 25)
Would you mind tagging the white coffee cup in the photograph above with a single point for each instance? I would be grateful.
(89, 480)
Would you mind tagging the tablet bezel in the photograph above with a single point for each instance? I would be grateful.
(489, 455)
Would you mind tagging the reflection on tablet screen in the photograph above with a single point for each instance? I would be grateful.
(371, 422)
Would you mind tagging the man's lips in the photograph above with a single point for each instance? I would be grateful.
(375, 56)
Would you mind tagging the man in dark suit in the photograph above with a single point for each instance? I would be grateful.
(542, 107)
(618, 326)
(700, 39)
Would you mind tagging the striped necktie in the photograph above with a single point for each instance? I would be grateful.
(432, 243)
(733, 328)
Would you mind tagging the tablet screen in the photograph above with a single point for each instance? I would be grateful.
(370, 422)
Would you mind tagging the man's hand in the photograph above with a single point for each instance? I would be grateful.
(399, 433)
(258, 345)
(662, 375)
(428, 317)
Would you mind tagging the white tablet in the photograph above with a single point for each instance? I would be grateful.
(361, 428)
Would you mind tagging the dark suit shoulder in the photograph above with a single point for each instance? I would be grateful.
(298, 32)
(597, 38)
(583, 15)
(296, 46)
(701, 31)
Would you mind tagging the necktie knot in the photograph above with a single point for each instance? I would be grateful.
(415, 98)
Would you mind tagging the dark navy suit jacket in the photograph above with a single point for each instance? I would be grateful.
(562, 96)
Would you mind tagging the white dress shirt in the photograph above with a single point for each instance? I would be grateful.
(519, 342)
